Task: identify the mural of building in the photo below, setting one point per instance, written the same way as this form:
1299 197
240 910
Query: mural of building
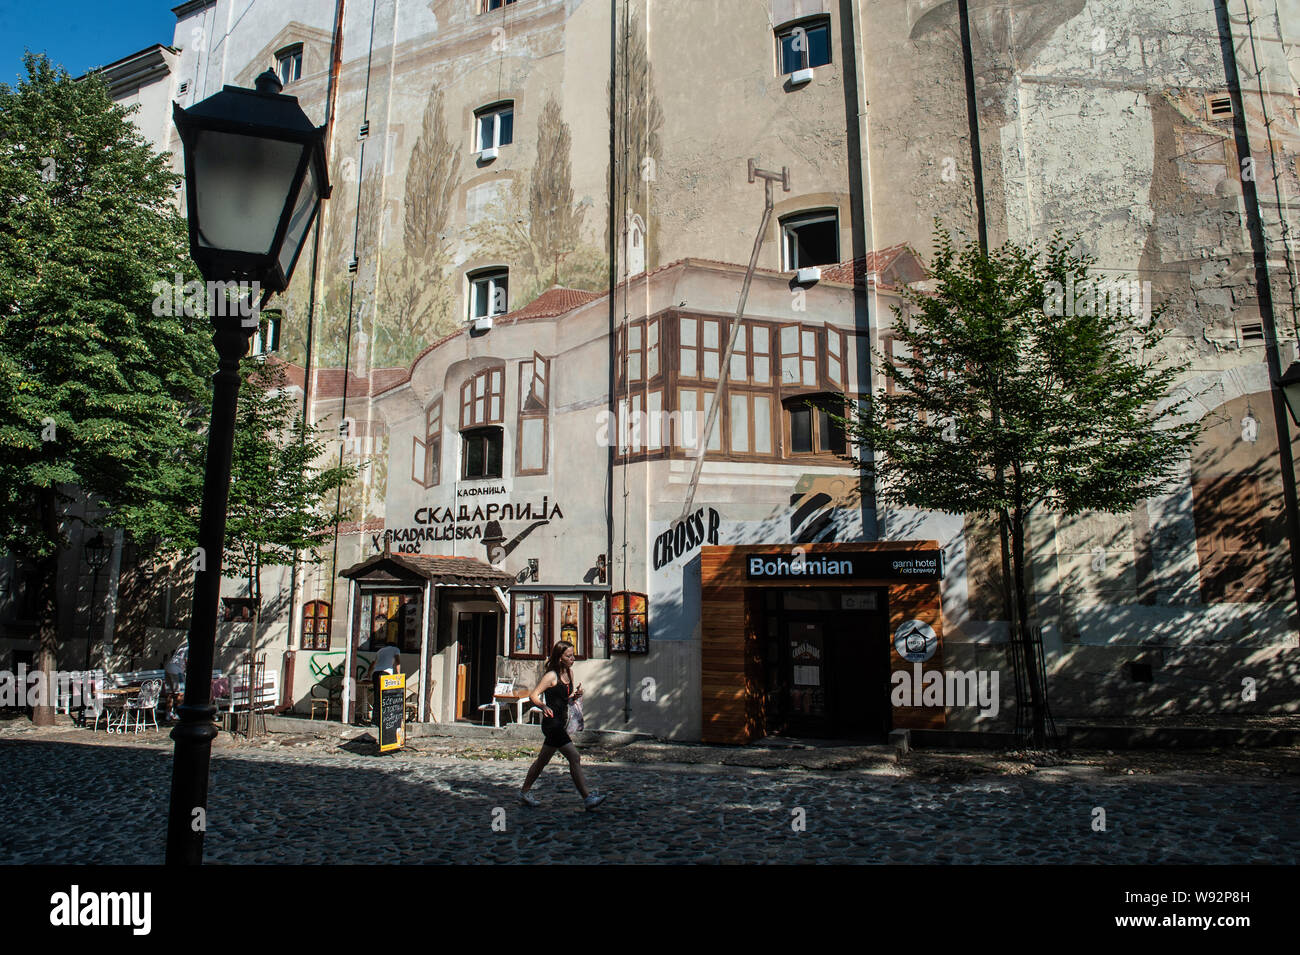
521 291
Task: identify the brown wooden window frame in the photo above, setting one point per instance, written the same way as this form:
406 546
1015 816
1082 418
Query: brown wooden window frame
318 636
821 443
489 435
493 395
515 599
749 396
550 628
430 474
534 405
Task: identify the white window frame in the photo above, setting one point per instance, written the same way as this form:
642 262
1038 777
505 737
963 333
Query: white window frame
488 282
798 220
292 55
493 113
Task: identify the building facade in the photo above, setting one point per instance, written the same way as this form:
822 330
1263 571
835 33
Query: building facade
520 294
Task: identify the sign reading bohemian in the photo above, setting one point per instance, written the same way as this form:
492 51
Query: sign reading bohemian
842 565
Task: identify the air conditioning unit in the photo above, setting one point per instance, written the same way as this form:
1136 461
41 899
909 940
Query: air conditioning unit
807 276
489 154
800 77
483 324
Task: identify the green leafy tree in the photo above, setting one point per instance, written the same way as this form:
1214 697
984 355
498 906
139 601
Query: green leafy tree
278 497
1025 385
97 390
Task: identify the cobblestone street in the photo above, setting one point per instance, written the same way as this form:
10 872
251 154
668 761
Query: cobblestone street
69 802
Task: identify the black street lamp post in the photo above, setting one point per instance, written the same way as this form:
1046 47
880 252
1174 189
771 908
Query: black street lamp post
254 178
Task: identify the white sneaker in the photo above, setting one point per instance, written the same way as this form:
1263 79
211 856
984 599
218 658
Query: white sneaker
594 800
528 799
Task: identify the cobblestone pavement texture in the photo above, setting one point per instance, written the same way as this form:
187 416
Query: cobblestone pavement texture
70 796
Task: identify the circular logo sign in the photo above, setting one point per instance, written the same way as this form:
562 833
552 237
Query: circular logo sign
915 641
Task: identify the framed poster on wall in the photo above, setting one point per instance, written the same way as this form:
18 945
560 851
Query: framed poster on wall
629 629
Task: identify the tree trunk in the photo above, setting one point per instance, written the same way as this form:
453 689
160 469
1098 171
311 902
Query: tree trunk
48 635
1032 654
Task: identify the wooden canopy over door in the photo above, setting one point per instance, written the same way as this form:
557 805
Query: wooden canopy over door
731 674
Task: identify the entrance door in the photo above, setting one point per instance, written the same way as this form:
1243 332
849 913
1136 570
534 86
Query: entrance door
476 652
826 657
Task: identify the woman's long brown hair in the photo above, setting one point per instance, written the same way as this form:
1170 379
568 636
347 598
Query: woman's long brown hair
553 661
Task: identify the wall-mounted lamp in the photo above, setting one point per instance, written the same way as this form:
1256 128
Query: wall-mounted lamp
601 576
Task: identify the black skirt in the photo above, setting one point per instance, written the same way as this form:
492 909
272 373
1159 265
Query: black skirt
554 733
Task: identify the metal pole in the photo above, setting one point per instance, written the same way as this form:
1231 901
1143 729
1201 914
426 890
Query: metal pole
724 371
186 819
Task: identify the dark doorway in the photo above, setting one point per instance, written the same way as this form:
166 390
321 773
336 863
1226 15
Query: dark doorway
476 640
826 663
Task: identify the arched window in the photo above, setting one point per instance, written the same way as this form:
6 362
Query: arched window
316 625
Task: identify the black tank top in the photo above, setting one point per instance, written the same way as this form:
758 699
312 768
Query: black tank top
557 699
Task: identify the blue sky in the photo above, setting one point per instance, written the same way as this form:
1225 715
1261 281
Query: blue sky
80 34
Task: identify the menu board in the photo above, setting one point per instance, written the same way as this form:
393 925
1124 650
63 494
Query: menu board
392 711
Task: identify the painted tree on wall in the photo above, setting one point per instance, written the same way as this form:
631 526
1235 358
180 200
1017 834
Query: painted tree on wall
545 246
638 118
1008 401
416 303
554 222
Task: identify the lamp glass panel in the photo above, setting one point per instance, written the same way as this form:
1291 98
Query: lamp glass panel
298 222
241 187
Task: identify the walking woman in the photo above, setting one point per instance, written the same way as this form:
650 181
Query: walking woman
552 695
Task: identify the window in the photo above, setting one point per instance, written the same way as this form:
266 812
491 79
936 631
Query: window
804 45
810 428
316 625
494 126
426 459
835 357
798 356
810 238
750 423
543 620
288 64
488 293
628 628
638 351
267 337
701 348
693 405
528 635
481 453
481 398
494 5
534 391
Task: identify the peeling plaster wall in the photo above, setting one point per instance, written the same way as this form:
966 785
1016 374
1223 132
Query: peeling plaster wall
1095 118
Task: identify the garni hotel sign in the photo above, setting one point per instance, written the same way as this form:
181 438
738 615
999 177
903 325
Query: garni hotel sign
842 565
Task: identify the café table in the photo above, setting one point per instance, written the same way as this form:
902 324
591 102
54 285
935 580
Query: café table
518 697
118 696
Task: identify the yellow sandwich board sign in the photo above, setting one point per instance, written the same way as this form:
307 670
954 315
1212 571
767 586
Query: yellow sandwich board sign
392 711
